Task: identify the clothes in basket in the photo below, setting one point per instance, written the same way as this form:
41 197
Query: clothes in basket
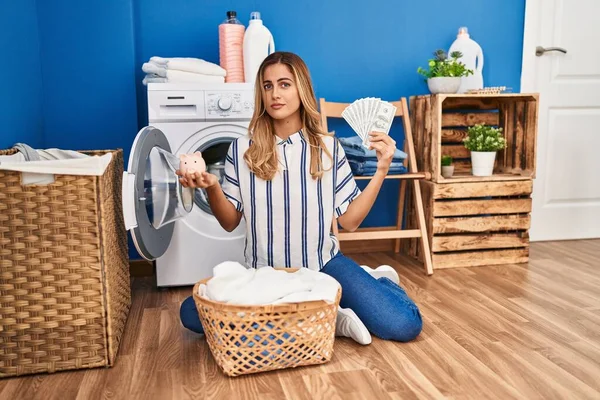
233 283
271 341
38 167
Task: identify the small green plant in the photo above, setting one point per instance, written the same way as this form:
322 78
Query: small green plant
484 138
446 161
442 66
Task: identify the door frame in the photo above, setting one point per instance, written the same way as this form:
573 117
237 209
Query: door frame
531 34
529 81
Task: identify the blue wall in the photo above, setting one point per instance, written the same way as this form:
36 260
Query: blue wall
88 71
20 69
92 52
353 50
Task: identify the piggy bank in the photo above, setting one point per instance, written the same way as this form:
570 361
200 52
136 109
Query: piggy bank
192 162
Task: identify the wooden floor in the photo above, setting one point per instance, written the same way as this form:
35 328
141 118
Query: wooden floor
507 332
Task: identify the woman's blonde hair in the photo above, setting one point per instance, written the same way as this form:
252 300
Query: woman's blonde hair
261 156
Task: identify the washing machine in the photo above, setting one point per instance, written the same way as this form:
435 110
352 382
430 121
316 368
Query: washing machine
172 225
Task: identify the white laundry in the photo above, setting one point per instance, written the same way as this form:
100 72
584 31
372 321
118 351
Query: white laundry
95 165
153 69
183 76
173 76
46 163
153 78
182 69
28 153
189 64
234 284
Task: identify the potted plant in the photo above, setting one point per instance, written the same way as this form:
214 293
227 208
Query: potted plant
484 141
447 167
444 74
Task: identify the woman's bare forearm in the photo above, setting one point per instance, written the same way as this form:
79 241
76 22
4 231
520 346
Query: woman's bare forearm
359 209
225 212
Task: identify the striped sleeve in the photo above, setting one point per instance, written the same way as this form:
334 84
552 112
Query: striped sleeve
231 181
346 190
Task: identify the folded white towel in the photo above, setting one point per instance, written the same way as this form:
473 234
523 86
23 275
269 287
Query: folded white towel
154 69
152 78
188 64
182 76
160 61
234 284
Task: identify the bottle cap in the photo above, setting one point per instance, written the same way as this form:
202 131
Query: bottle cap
231 14
463 31
254 15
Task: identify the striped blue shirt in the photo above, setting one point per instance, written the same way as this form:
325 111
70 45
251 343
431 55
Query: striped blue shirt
288 219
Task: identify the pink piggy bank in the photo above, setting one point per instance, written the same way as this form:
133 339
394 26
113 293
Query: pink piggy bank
192 162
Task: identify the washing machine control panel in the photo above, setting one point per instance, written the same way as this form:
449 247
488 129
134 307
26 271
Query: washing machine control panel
229 104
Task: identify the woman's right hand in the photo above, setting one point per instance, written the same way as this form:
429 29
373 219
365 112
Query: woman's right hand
198 180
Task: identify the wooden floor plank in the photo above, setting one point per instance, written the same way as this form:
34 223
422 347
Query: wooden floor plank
505 331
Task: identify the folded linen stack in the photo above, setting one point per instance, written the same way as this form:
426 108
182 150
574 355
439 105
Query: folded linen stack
364 161
180 69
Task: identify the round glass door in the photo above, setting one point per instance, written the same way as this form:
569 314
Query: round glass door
153 198
166 199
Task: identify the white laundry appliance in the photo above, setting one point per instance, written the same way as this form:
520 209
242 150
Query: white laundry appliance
170 224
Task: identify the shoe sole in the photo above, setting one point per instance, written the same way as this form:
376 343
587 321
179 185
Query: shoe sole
364 332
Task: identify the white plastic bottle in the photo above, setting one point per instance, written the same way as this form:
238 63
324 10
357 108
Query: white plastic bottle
258 44
472 57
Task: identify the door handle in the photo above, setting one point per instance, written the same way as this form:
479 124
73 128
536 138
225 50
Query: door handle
539 50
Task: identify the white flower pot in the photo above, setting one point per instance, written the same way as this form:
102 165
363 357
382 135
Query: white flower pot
443 84
482 162
447 171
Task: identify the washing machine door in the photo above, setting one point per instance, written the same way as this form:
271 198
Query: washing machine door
153 198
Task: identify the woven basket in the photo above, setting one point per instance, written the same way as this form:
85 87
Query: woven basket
64 275
250 339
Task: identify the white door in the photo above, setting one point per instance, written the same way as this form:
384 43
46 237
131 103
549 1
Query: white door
566 194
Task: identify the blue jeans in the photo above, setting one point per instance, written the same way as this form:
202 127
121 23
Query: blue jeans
384 307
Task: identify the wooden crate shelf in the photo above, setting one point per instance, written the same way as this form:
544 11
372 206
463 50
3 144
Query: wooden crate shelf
474 223
440 124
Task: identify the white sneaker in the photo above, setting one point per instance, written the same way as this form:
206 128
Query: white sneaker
349 325
383 271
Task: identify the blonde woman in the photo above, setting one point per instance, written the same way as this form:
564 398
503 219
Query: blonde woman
288 179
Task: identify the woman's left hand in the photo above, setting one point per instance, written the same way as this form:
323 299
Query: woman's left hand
385 147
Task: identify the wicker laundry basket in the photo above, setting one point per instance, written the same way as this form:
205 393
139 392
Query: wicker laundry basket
64 273
250 339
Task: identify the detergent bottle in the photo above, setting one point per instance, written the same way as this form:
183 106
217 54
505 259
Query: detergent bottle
472 57
231 38
258 44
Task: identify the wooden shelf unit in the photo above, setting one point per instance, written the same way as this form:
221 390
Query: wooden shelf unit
440 124
474 221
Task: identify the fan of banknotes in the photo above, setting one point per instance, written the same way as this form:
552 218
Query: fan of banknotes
368 115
